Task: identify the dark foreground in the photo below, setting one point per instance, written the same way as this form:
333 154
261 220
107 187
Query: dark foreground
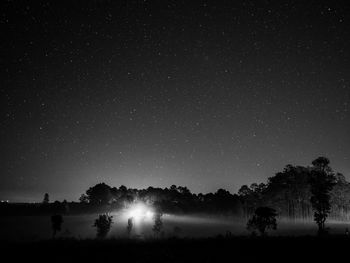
235 249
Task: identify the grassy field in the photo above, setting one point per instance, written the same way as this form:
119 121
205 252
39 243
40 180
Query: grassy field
32 228
201 239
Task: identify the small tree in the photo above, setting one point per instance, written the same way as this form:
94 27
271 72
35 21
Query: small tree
103 224
322 181
158 223
46 199
56 224
264 218
130 225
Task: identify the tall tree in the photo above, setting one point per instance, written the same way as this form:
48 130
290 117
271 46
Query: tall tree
251 197
289 192
340 198
322 181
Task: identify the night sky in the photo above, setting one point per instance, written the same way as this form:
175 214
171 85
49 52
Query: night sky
206 94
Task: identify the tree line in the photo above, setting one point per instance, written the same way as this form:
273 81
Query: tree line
292 191
289 192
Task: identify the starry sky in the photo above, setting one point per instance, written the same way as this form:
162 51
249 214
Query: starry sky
205 94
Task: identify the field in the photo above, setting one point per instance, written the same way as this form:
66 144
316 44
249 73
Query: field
200 239
32 228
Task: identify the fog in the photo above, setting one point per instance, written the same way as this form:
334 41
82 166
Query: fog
28 228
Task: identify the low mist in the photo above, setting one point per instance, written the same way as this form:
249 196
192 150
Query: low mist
28 228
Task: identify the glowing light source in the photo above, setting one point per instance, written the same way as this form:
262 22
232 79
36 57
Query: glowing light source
139 212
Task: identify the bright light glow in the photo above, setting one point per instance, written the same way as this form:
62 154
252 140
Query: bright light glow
140 212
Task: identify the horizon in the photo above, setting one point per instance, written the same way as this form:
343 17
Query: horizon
40 198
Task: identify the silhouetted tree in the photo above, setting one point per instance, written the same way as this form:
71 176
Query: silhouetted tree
289 192
56 224
224 201
263 218
46 199
322 164
251 197
322 181
158 223
130 225
99 194
103 224
340 198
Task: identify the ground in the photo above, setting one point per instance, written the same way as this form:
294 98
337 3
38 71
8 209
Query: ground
219 249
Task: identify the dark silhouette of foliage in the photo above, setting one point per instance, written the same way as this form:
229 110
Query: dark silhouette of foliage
103 224
158 223
46 199
130 225
288 192
99 194
322 164
251 197
322 181
56 224
340 198
84 199
264 218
